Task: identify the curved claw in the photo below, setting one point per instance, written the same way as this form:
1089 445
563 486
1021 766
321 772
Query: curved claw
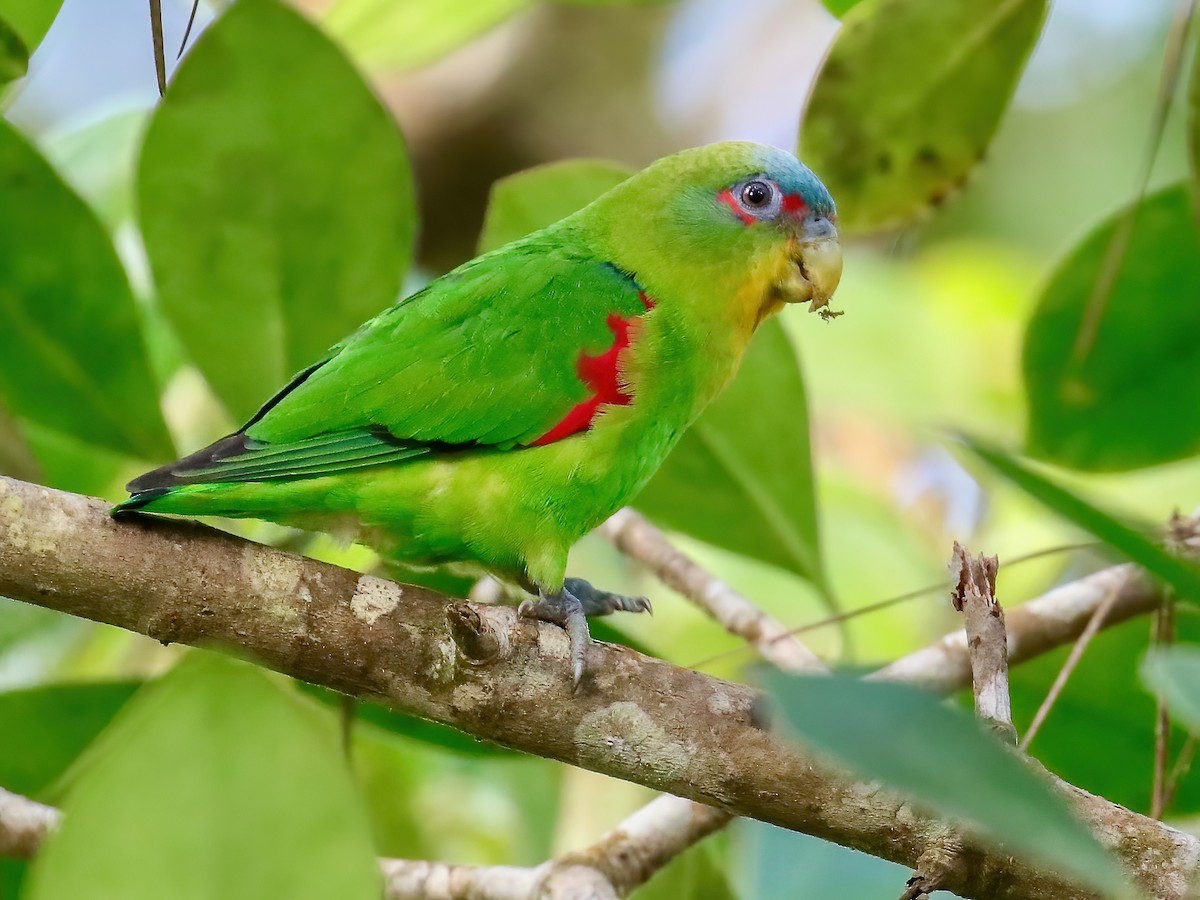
569 609
622 603
600 603
565 610
581 639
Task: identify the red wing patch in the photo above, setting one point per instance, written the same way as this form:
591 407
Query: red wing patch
601 374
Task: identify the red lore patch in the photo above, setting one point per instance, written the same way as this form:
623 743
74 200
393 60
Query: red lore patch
600 374
726 197
794 205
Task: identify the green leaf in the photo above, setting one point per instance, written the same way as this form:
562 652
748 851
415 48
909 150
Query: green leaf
1181 576
1193 134
30 19
1174 673
405 34
56 722
14 58
98 160
1128 399
72 465
12 876
71 352
895 126
530 200
941 757
840 7
770 862
212 783
1102 705
16 459
696 874
407 726
23 625
275 199
741 478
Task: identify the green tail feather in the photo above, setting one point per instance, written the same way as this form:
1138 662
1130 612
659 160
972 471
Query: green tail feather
236 500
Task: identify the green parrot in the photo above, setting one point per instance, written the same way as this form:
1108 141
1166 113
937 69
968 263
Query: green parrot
498 415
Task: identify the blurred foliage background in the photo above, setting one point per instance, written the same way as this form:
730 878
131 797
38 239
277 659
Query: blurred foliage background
963 295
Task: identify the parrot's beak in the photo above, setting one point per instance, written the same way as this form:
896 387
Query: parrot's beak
820 267
814 265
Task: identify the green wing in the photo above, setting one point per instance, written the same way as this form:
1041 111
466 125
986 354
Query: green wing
484 356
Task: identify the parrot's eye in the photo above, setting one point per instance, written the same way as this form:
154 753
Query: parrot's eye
756 194
756 200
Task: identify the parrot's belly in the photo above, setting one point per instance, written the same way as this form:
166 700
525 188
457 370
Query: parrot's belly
516 513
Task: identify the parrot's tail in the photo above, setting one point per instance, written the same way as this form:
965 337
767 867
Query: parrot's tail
139 501
258 500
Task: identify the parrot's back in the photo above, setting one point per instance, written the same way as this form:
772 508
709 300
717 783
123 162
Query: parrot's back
499 399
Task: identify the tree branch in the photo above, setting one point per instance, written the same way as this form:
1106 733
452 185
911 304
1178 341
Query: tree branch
1057 617
973 593
505 679
633 535
410 879
622 860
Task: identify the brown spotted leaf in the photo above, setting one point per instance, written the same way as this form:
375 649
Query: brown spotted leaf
908 100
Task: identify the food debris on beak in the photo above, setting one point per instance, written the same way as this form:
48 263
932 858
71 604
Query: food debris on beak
820 265
811 275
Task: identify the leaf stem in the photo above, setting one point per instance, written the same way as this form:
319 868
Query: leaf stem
1118 245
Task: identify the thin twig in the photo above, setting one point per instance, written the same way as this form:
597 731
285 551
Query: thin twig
878 605
16 459
1057 617
633 535
1118 245
156 36
347 709
1164 633
1094 624
1183 763
187 32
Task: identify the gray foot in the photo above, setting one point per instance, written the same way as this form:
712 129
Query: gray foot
569 610
600 603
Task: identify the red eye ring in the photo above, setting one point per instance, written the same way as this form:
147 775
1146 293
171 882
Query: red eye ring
754 200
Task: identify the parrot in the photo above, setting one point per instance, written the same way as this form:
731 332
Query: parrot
492 419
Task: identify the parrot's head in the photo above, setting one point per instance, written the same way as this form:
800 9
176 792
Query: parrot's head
785 214
749 210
